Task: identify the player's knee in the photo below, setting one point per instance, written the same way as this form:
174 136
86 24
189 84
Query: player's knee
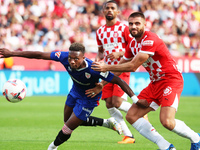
130 118
116 104
167 123
109 105
66 130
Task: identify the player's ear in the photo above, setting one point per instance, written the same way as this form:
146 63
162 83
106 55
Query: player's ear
103 11
144 22
118 11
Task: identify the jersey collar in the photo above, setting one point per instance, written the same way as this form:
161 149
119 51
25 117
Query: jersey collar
86 66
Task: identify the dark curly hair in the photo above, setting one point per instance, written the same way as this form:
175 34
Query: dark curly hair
77 47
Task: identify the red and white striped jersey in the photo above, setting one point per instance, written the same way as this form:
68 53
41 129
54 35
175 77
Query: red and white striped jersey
160 64
113 39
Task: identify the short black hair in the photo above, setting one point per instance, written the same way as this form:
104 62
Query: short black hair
137 14
111 1
77 47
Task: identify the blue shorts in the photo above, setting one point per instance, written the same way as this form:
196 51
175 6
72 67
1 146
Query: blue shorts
82 112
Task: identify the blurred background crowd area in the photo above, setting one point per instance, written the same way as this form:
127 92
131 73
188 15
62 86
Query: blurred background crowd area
47 25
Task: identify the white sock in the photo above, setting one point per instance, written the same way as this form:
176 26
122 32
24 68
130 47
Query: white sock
114 112
149 132
183 130
125 106
52 146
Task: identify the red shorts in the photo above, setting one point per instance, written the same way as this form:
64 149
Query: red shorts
111 89
163 93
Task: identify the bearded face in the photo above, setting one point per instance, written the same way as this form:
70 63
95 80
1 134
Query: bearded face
110 11
136 32
136 26
110 17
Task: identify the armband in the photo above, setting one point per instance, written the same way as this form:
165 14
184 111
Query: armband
134 98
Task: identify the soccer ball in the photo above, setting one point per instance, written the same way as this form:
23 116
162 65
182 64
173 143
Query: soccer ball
14 90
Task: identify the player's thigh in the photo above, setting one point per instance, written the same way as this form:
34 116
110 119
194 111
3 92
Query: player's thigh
67 112
73 122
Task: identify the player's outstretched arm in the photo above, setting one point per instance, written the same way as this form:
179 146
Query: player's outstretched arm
130 66
4 53
124 86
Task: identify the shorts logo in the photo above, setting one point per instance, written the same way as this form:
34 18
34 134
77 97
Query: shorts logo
167 91
87 110
148 43
87 75
57 54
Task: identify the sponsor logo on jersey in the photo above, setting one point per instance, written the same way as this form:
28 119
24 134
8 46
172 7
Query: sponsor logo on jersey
167 91
148 43
57 54
109 46
87 75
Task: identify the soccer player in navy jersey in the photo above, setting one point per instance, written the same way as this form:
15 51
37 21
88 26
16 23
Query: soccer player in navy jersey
78 105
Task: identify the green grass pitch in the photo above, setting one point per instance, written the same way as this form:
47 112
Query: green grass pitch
34 123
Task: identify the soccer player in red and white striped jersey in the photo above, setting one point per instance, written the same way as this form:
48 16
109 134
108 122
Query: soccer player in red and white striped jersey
112 39
164 90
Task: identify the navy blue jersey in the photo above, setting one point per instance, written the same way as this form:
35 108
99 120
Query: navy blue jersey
83 79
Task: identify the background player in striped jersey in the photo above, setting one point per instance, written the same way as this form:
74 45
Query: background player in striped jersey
164 90
78 105
112 39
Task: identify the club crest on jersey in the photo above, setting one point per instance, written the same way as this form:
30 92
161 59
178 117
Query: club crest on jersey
148 43
115 35
167 91
57 54
87 75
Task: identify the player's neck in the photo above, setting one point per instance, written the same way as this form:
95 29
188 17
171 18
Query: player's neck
111 22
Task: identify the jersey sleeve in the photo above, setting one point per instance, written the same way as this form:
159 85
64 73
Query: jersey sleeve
149 46
58 55
107 76
99 43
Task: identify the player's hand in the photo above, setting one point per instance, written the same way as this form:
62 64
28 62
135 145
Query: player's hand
94 91
4 53
113 55
142 103
99 66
